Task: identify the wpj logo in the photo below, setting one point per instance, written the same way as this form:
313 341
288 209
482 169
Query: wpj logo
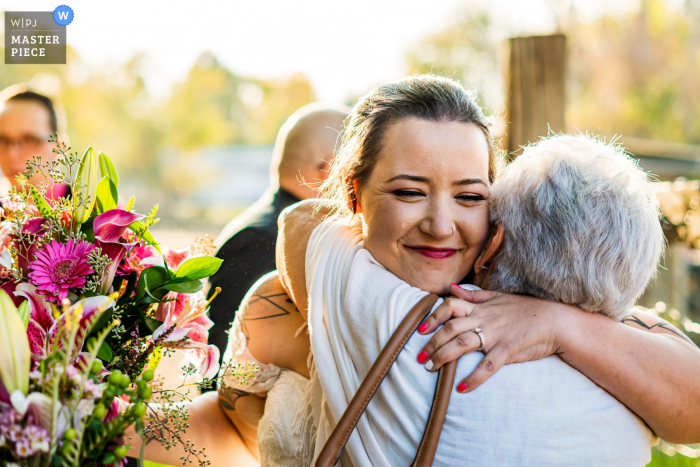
36 37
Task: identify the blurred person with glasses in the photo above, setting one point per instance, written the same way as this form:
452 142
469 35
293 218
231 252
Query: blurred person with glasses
27 120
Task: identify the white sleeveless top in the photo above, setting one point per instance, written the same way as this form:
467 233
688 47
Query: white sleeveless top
281 437
542 413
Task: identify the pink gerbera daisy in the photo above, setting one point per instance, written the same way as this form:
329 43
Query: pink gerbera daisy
59 266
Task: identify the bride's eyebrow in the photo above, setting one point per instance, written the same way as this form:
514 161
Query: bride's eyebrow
410 178
469 181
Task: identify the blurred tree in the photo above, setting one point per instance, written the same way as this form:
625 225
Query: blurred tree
111 110
466 50
633 74
637 75
215 106
101 107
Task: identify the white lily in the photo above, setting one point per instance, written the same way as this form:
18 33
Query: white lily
14 347
6 258
86 182
38 404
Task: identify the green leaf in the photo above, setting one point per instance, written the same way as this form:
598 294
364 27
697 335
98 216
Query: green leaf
198 268
139 228
184 287
152 323
107 169
155 277
105 353
24 313
130 285
86 186
87 229
107 197
41 204
101 322
134 314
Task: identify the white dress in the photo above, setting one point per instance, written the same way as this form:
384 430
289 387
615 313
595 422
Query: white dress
281 431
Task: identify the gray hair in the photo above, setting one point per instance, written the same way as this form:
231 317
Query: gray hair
581 225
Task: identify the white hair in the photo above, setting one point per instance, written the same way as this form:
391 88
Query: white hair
581 225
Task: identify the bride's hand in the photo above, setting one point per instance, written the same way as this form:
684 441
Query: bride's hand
515 329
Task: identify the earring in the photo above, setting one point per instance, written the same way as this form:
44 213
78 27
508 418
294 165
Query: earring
484 267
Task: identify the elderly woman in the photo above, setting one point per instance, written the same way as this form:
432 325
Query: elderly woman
417 164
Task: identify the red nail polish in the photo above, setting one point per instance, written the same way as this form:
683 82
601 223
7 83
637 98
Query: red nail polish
462 387
423 327
422 356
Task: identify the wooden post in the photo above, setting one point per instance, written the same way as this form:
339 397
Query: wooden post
536 99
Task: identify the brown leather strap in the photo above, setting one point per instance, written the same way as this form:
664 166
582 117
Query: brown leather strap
438 412
336 442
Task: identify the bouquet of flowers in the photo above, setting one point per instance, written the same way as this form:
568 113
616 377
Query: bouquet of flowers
89 302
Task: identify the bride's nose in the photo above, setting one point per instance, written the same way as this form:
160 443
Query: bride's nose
438 222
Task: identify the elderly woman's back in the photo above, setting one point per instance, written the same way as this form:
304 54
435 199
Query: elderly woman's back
535 413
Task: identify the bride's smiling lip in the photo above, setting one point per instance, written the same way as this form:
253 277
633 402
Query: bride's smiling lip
432 252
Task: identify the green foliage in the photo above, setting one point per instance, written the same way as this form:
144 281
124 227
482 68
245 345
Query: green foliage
107 168
659 459
185 287
198 268
41 204
107 196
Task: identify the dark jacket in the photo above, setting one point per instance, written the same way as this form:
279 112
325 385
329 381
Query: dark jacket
247 247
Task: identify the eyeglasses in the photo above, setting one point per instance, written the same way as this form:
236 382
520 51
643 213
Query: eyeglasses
24 142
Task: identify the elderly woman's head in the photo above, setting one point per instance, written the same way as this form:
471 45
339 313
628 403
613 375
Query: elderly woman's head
580 226
416 162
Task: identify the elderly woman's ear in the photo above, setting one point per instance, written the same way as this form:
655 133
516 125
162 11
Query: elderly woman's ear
492 245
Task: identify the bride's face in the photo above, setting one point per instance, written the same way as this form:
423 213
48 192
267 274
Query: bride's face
425 205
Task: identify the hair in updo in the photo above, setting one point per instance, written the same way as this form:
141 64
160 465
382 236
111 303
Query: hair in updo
426 97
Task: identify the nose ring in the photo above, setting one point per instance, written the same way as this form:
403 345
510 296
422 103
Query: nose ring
453 230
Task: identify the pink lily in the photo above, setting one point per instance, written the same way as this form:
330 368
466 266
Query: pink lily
187 312
175 258
141 257
109 228
43 327
204 357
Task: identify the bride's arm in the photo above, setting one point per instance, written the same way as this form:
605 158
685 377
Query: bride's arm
296 224
646 363
208 427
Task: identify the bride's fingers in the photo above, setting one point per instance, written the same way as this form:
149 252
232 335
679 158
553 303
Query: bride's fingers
473 296
451 330
492 362
449 309
462 344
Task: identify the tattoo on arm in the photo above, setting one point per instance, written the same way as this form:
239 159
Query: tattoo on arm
632 319
229 396
281 305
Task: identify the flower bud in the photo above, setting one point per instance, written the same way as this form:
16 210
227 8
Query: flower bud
86 189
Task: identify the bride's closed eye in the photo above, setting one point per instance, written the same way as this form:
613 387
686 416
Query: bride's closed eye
471 197
408 193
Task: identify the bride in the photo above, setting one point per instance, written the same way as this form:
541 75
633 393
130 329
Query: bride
430 237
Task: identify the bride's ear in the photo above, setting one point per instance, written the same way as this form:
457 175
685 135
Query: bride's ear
354 198
492 246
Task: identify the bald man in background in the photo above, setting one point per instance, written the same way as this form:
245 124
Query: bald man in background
304 148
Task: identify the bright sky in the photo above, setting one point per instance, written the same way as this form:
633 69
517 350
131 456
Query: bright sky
345 48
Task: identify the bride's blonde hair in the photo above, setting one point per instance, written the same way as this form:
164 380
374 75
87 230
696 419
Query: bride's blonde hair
426 97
